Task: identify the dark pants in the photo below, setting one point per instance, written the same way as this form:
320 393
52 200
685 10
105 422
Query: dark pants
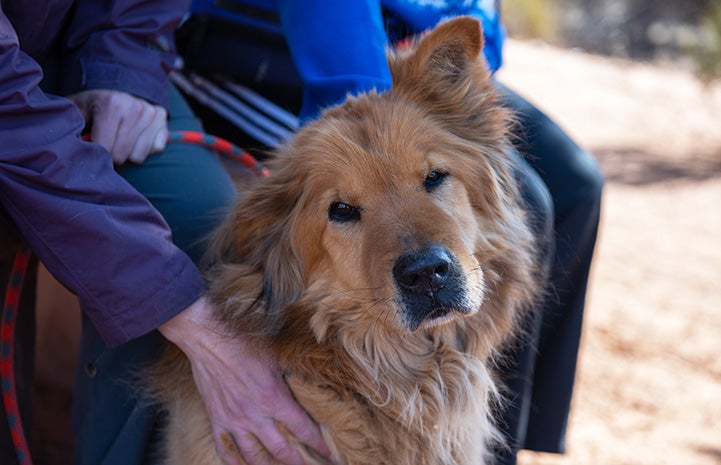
191 189
542 371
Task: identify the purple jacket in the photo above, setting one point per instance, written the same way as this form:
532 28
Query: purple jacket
93 231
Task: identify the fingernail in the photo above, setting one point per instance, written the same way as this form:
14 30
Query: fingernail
160 140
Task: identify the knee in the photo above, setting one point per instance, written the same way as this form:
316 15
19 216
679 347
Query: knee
589 173
584 184
206 199
197 211
540 208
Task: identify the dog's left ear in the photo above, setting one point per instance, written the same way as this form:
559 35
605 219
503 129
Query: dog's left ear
445 72
444 55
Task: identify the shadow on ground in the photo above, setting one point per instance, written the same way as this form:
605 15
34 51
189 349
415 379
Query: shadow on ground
640 168
714 453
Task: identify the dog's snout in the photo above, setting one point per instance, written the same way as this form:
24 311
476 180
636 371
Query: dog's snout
423 272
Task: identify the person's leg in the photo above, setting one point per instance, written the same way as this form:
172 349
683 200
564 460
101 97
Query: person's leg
186 183
516 366
575 182
191 189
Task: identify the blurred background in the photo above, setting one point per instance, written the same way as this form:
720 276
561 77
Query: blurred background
685 32
638 84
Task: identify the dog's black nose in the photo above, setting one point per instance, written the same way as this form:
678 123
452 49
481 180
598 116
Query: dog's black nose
424 272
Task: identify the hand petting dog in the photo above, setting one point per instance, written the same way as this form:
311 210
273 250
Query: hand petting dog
251 409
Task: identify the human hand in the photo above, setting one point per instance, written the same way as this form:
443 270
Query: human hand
251 408
130 128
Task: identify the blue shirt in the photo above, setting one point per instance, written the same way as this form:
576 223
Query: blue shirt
339 46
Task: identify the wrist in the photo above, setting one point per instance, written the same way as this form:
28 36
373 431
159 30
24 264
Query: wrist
188 326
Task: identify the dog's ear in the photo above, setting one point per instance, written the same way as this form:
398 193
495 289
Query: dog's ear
443 55
263 232
445 72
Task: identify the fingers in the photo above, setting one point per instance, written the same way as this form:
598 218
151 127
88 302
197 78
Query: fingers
256 409
252 426
231 454
255 418
145 136
272 449
250 449
299 427
130 128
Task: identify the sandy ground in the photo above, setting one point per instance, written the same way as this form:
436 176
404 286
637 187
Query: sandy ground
649 382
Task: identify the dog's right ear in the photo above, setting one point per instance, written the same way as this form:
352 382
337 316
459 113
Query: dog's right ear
260 233
253 269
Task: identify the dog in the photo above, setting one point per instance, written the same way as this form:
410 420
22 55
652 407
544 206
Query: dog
381 265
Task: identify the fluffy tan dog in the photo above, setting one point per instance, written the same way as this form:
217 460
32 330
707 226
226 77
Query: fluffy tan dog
380 266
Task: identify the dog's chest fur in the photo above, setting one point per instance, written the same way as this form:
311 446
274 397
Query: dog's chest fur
385 400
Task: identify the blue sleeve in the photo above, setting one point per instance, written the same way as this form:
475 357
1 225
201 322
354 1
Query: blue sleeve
420 15
494 35
338 47
95 233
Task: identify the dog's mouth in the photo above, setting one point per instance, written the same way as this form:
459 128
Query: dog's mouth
431 287
429 313
436 317
438 313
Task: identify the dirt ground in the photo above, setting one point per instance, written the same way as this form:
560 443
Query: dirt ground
649 382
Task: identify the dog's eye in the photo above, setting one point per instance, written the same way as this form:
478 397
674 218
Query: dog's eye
433 179
342 212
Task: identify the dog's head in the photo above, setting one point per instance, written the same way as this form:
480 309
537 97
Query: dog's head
397 209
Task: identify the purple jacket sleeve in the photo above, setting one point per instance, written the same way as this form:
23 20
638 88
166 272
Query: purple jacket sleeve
92 230
127 46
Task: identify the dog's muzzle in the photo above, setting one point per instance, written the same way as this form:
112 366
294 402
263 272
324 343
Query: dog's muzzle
431 285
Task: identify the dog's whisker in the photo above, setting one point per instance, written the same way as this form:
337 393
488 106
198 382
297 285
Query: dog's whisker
390 306
351 293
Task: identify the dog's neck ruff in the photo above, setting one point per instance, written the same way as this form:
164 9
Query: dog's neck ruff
425 384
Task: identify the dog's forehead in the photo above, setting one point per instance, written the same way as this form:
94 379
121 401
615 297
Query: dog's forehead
376 139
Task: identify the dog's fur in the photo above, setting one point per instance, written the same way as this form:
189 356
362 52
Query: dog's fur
380 265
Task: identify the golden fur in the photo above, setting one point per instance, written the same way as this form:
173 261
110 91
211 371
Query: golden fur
313 263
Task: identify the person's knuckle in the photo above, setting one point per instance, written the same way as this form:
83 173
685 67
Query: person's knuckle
254 453
114 101
282 450
269 398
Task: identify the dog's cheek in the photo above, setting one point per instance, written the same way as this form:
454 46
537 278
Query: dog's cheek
462 212
462 226
342 248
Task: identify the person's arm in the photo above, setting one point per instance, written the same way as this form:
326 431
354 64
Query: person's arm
124 45
338 47
92 230
105 242
114 67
